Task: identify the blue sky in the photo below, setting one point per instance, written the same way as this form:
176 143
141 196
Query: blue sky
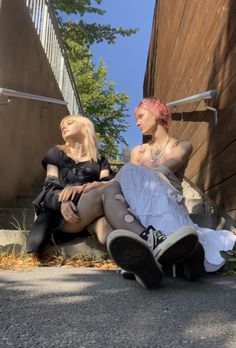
126 59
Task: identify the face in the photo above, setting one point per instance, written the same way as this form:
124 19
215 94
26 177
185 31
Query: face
146 121
70 128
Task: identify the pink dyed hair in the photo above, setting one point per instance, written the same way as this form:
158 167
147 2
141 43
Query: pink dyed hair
154 105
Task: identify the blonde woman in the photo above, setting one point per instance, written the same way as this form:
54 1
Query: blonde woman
76 196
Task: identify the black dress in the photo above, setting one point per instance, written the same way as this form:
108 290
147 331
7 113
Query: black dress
72 173
47 206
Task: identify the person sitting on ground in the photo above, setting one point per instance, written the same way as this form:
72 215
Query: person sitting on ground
151 185
76 195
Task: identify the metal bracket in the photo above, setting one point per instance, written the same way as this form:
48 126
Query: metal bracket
215 113
4 100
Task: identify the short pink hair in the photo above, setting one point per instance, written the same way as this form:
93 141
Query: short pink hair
154 105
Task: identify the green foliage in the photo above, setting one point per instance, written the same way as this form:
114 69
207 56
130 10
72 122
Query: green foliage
230 260
90 33
77 6
81 31
125 154
105 107
101 103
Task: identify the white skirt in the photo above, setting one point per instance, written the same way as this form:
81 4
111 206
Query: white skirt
154 201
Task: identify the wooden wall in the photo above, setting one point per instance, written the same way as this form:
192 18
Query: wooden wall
193 49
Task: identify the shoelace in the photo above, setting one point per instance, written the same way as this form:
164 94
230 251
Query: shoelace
152 236
158 237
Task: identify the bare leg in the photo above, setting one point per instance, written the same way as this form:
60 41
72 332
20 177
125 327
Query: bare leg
101 228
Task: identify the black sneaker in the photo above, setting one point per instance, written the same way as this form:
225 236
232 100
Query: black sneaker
172 249
193 266
127 275
133 254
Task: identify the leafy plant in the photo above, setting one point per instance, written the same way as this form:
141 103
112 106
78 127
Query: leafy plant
101 103
230 260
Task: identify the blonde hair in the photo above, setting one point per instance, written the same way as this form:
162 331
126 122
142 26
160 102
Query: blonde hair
89 144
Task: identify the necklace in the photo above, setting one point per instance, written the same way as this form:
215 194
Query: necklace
157 153
77 155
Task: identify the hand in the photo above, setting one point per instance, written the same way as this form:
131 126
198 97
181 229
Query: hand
91 185
69 192
69 212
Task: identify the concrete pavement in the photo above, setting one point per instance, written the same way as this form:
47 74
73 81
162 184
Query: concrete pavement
87 307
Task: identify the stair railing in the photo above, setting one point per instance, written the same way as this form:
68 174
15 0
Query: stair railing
46 25
8 93
197 98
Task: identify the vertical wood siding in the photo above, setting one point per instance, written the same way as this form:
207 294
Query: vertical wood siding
193 49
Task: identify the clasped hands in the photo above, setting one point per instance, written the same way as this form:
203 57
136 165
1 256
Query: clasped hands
68 209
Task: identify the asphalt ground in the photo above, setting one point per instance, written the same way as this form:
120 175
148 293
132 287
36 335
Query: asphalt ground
88 307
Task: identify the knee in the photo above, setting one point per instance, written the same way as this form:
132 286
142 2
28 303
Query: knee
112 188
128 167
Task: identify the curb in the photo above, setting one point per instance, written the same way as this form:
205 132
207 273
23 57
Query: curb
85 247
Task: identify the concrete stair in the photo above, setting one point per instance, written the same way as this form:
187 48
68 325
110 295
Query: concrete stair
15 224
204 211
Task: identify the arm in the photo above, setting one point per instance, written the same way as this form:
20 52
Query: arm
180 156
104 173
91 185
135 155
52 170
68 209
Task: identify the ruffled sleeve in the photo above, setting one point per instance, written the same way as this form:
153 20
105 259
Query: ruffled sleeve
52 157
104 164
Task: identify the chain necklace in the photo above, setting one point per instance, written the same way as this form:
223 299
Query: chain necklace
77 155
156 154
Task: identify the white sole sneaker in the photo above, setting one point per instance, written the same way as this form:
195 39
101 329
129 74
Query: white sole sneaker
134 255
176 247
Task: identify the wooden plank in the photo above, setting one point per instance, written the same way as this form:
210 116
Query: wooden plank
232 214
228 94
227 97
163 11
199 160
148 86
217 138
171 12
214 171
216 55
172 41
191 122
183 50
224 194
197 43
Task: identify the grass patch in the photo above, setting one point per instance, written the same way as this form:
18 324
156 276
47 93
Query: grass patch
14 260
11 260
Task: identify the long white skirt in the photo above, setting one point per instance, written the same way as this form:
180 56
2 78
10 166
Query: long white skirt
154 201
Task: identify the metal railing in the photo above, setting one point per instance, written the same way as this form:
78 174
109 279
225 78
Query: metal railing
46 25
12 93
194 98
197 98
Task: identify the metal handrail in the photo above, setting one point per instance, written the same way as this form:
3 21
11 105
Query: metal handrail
194 98
17 94
48 30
